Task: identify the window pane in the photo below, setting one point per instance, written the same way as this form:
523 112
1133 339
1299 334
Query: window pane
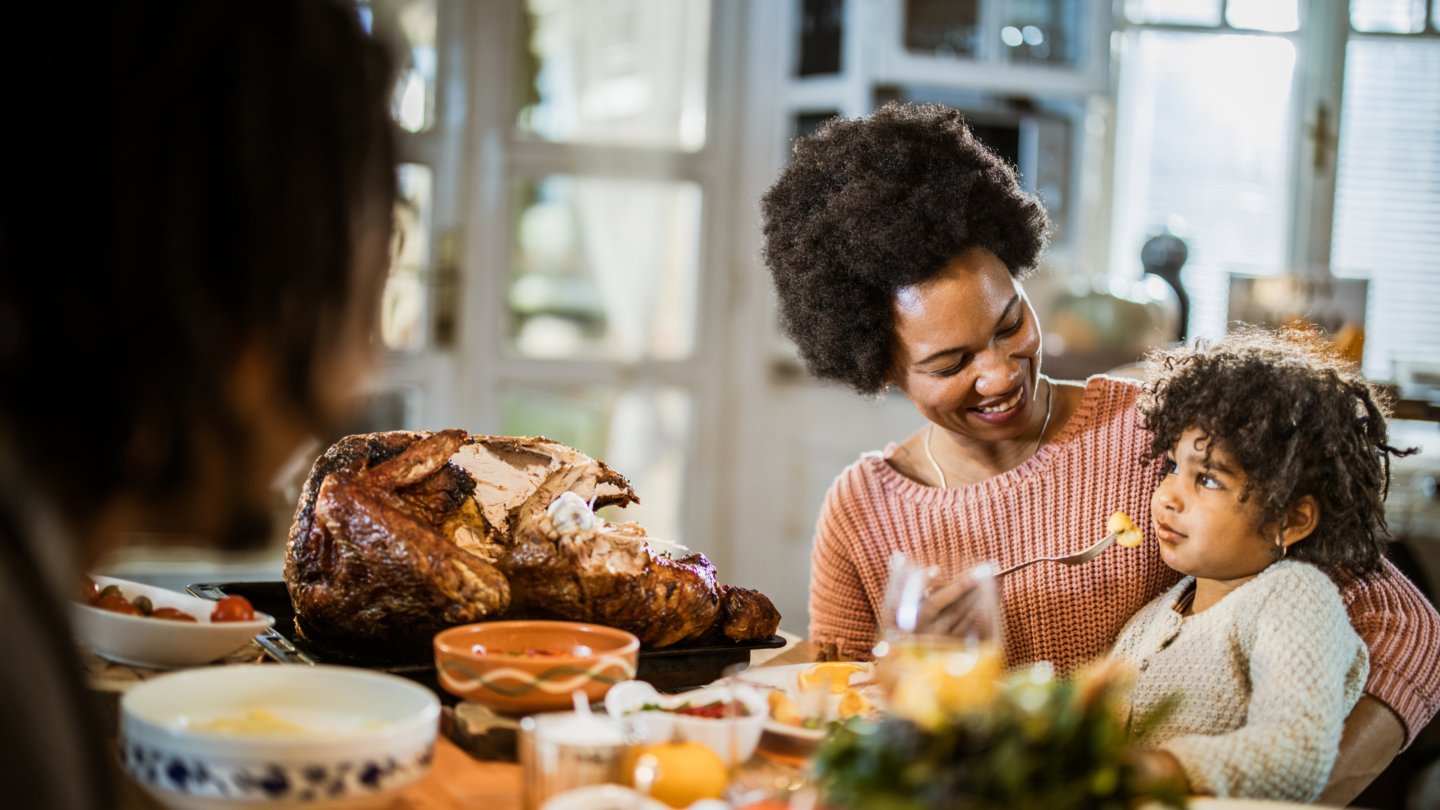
1387 196
410 25
1174 12
1204 150
642 431
822 30
604 268
402 307
1264 15
1388 16
619 72
943 28
1043 31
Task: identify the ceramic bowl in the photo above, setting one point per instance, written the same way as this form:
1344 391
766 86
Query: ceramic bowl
628 699
361 736
523 667
159 643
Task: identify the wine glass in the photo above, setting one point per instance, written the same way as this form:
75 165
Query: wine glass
942 641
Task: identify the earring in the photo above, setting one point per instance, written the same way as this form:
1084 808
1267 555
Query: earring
1278 552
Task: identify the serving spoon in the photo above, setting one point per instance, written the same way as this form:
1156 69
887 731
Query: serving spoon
1069 559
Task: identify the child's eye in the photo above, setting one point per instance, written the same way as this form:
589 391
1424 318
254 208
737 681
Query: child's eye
1208 481
1170 467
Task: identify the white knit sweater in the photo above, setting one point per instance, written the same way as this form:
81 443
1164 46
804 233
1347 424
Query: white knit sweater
1265 679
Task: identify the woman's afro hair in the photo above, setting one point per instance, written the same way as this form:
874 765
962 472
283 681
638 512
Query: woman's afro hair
1299 420
872 205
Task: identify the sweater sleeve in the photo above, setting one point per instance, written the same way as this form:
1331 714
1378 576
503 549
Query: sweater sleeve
840 611
1402 630
1306 667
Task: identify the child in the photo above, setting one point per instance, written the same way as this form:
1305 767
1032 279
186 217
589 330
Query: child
1276 467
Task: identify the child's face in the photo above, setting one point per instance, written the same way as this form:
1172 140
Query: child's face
1205 530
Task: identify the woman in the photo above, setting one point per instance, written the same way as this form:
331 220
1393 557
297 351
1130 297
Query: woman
194 233
897 245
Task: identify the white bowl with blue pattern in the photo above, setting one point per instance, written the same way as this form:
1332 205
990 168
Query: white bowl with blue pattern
313 737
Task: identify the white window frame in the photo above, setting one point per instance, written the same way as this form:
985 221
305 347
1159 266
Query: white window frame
477 155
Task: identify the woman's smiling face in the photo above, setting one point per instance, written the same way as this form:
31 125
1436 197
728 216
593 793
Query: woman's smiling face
967 349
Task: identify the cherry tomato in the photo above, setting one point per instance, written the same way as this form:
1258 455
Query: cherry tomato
172 614
233 609
89 591
115 603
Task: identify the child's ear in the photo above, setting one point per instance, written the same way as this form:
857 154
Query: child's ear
1300 520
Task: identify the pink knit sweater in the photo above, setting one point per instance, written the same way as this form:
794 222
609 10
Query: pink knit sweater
1057 503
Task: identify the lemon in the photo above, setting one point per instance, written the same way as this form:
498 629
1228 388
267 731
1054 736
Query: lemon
835 674
1121 524
684 772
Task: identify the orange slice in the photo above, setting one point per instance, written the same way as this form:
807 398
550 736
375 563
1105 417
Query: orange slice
834 674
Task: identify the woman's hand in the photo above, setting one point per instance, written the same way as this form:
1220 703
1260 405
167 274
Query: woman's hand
956 608
1157 769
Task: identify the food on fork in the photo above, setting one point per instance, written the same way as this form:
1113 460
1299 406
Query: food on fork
1121 524
398 535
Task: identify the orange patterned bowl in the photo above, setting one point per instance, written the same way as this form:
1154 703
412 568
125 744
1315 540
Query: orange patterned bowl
523 667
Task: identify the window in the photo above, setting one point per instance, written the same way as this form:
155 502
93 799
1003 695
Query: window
1205 143
1387 197
621 72
593 326
1229 139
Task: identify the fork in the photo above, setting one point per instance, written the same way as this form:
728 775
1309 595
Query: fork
1069 559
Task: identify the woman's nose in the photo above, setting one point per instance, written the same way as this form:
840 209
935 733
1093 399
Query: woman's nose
999 373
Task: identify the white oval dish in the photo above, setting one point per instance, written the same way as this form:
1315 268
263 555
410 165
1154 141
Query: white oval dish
603 797
625 699
372 735
143 641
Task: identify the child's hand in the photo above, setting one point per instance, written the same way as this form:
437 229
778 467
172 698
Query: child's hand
1156 770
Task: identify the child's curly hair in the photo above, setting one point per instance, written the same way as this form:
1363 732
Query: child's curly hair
1298 419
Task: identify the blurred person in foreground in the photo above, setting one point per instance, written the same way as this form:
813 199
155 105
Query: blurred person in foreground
195 229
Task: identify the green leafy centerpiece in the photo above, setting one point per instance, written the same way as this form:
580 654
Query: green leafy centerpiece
1026 743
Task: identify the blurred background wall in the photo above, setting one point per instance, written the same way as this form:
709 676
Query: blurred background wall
578 251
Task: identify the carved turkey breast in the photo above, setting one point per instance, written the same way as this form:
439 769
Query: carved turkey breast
398 535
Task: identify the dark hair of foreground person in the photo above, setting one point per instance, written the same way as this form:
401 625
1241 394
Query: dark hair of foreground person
871 205
193 234
194 176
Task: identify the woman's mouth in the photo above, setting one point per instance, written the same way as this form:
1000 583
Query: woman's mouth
1167 534
1004 410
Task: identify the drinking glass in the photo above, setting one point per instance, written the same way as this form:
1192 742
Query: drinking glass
564 751
942 645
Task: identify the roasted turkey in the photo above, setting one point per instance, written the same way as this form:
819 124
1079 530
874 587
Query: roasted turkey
400 534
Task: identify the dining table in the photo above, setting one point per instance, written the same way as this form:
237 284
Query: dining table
459 781
456 781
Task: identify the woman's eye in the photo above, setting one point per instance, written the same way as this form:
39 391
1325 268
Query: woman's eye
951 371
1019 322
